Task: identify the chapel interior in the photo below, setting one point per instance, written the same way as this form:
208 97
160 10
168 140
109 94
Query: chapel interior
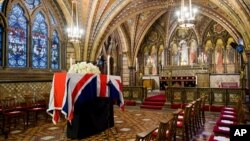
146 43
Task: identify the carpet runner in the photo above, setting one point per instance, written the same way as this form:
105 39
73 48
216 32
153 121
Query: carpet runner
154 102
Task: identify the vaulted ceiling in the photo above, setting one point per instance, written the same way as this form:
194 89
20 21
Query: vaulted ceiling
131 19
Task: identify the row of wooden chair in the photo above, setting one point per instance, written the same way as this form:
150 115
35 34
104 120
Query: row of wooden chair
185 122
11 112
229 116
191 119
164 132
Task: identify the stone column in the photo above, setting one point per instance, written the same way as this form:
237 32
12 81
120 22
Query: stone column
132 76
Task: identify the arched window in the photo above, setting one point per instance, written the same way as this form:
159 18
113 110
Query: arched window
1 5
32 3
39 42
55 51
1 42
17 37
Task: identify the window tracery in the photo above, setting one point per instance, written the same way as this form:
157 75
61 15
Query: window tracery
27 36
39 42
17 37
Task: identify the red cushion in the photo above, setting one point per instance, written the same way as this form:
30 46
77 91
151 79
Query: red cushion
181 113
154 134
179 124
220 138
228 117
228 109
224 122
180 117
221 130
227 112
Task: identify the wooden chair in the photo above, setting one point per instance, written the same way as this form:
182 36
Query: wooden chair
46 104
10 113
33 109
145 136
166 131
202 111
183 125
195 115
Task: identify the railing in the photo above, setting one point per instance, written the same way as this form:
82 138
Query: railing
216 96
136 93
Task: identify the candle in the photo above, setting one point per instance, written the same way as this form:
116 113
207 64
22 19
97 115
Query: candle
136 64
196 80
70 61
202 55
108 66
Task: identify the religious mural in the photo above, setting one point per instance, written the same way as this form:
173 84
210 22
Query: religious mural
219 60
183 48
152 53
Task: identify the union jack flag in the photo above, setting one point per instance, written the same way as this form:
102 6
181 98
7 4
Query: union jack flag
83 88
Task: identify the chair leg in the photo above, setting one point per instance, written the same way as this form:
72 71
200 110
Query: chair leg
24 126
36 114
27 119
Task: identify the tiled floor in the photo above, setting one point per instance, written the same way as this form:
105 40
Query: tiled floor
127 125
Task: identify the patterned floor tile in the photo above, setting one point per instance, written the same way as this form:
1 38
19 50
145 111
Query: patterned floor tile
127 125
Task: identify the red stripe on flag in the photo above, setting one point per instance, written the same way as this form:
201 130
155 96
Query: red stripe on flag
56 115
79 85
103 86
59 88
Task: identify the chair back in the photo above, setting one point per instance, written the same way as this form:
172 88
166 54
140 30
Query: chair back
8 104
186 116
203 102
162 129
30 101
239 104
46 97
197 106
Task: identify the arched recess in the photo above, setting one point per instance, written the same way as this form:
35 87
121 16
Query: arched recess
70 55
223 22
183 48
3 25
146 30
123 40
104 26
149 52
118 20
237 19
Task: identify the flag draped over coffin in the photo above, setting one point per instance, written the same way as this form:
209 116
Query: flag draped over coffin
81 88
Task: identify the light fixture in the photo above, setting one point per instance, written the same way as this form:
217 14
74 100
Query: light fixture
186 15
74 31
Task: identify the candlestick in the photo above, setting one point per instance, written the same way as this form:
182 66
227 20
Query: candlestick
70 61
196 80
136 64
202 55
108 66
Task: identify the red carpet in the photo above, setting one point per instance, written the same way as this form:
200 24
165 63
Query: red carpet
154 102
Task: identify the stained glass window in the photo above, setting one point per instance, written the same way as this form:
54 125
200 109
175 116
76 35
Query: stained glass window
55 51
32 3
1 42
39 42
17 37
1 5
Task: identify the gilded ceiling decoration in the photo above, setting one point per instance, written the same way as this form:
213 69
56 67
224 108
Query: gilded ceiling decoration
102 17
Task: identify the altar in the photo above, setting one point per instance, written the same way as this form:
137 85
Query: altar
86 100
